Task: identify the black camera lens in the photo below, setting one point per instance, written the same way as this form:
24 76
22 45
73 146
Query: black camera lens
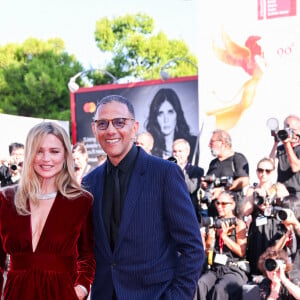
270 264
282 134
282 215
207 221
14 167
230 221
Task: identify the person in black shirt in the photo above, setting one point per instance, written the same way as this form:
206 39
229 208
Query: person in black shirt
224 277
10 173
232 166
288 154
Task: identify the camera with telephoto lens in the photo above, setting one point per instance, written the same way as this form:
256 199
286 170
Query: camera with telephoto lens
225 181
271 264
213 181
280 213
217 222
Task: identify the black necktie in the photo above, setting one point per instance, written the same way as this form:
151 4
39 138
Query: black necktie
116 208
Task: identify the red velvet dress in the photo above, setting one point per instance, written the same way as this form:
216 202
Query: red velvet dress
64 254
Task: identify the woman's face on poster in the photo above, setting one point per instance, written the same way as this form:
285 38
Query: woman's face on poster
166 118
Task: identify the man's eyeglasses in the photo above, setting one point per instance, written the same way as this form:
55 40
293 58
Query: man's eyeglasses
118 123
261 170
223 204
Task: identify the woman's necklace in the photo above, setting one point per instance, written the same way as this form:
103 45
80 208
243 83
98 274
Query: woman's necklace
47 196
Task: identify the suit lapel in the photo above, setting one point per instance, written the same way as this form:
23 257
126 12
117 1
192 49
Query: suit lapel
98 205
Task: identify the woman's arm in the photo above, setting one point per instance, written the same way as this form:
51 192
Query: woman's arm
247 204
280 243
292 288
85 261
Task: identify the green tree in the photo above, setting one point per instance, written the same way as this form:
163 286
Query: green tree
34 75
136 51
33 79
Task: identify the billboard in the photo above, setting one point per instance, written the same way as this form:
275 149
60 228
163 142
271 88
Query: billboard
248 72
141 95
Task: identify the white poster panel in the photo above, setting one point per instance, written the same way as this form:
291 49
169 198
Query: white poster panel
15 128
249 62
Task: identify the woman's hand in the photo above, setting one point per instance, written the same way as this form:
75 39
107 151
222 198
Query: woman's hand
81 294
291 220
226 228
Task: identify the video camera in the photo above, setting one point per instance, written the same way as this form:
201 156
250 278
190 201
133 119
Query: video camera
213 181
217 222
282 134
280 213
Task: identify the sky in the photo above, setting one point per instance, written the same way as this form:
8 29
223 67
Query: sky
74 21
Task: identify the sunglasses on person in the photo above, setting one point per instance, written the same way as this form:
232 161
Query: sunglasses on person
223 204
118 123
261 170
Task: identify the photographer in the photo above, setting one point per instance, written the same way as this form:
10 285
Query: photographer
264 229
225 241
286 149
10 170
290 241
275 266
227 163
192 174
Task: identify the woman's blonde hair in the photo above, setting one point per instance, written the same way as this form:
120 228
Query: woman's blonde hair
29 186
267 159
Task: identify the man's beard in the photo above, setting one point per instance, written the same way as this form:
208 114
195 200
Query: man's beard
214 153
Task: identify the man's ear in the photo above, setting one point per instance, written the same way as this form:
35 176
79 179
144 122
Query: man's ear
135 129
93 125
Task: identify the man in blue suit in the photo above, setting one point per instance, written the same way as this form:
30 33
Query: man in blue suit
147 238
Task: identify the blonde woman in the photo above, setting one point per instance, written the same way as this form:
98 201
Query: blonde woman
46 223
263 230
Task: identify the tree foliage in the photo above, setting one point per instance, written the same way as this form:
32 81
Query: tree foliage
34 77
34 74
137 51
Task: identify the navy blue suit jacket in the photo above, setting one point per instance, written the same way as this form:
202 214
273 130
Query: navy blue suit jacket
158 253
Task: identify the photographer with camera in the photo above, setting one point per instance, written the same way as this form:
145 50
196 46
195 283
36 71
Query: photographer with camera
290 241
275 266
225 242
228 164
10 170
286 149
264 229
192 173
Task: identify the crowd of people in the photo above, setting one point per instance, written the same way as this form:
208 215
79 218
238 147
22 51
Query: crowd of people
146 223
